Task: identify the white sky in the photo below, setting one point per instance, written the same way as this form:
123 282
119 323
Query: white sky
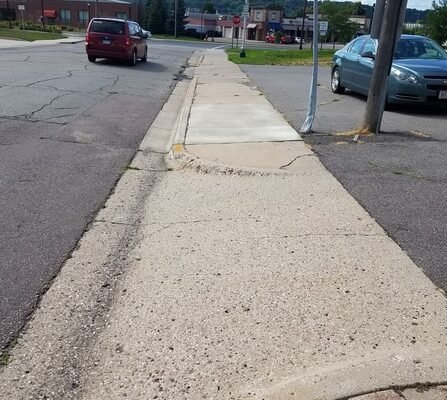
419 4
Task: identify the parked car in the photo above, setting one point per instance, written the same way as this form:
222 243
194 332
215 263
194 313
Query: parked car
148 34
283 39
115 38
418 73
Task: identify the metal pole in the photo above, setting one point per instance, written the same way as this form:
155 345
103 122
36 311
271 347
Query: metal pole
244 33
307 126
96 8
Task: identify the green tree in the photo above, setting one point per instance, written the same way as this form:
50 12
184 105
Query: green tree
181 21
436 21
340 28
208 8
155 16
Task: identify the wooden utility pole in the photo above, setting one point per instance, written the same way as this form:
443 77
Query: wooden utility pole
175 17
302 25
377 19
43 14
389 34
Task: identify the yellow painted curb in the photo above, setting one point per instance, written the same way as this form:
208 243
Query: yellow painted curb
178 148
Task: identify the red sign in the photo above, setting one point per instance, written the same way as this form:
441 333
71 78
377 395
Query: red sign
236 20
50 13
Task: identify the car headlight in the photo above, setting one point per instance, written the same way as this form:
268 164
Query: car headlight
404 76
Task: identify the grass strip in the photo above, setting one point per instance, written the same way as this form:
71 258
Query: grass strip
279 57
171 37
29 36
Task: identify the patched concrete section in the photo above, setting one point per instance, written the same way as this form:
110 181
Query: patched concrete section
240 135
273 155
227 110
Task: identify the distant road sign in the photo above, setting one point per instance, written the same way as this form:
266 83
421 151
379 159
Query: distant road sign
21 7
236 20
323 26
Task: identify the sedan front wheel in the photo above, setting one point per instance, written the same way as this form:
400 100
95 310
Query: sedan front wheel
335 81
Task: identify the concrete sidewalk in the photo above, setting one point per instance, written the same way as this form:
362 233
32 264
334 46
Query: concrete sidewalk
242 269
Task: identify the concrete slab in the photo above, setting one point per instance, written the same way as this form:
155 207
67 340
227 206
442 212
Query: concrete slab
232 99
383 395
240 135
252 155
224 90
232 116
426 393
240 303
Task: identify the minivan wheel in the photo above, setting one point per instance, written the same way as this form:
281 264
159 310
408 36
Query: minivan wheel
133 60
144 58
335 81
91 58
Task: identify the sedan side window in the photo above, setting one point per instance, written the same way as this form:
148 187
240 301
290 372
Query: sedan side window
369 46
357 46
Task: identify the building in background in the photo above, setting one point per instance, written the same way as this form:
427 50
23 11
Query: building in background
76 13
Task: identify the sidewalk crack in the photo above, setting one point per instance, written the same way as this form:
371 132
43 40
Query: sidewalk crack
296 158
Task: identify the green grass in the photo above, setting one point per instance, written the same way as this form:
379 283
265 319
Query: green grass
30 36
164 36
279 57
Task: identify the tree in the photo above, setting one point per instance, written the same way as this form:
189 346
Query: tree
181 21
339 26
436 21
208 8
155 16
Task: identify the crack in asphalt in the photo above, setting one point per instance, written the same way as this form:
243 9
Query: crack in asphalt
69 75
49 104
117 78
64 140
27 118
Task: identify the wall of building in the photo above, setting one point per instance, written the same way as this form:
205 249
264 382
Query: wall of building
76 13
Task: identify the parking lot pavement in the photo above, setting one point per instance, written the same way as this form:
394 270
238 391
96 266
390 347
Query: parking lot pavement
398 175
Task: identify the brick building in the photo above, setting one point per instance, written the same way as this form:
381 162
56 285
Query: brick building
75 13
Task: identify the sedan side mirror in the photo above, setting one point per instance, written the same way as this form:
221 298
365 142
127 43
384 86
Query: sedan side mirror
368 54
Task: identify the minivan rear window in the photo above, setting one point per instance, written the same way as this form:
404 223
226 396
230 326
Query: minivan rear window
105 26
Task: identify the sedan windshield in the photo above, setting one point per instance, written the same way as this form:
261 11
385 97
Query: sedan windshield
418 48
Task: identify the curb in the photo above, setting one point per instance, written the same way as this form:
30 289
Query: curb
367 378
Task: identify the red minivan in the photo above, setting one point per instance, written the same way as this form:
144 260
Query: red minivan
115 38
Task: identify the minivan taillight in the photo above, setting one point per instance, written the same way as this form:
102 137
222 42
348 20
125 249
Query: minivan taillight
127 42
87 39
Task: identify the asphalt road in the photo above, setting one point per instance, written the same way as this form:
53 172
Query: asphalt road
68 129
399 176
